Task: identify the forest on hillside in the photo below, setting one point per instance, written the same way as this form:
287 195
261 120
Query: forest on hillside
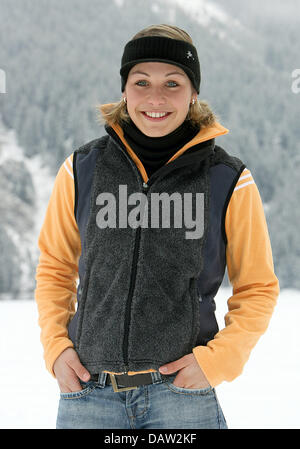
62 59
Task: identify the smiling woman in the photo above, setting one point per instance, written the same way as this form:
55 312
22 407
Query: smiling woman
145 320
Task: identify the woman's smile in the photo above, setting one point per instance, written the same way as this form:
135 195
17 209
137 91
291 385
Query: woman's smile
156 116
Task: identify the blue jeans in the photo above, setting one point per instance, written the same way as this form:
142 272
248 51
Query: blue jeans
160 405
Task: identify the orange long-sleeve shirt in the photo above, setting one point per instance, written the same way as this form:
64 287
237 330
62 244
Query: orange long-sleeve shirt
249 265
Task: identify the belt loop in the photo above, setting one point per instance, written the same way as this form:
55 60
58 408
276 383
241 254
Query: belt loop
156 377
102 379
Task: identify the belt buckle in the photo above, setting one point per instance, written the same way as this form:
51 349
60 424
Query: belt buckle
115 386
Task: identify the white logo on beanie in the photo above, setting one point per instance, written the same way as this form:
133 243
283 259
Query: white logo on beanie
189 55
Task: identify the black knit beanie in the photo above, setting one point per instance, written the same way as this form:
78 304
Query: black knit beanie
161 49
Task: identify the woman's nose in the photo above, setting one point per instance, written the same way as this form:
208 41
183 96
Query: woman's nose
156 97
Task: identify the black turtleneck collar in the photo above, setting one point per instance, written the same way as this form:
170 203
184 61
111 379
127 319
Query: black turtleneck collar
154 152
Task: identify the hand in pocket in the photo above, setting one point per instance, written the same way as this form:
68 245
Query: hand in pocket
190 374
68 370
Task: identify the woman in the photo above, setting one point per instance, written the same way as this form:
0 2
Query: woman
143 349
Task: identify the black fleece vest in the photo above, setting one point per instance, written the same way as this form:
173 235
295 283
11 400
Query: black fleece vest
146 292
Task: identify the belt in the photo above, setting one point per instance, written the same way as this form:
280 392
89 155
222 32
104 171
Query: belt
124 382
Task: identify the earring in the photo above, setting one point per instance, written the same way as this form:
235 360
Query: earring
193 101
124 99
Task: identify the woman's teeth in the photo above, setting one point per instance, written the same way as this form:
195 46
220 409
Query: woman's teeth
156 114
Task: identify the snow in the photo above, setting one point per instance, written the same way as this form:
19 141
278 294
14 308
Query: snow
209 15
266 395
119 3
43 181
202 11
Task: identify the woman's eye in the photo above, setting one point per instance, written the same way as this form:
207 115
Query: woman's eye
173 82
141 83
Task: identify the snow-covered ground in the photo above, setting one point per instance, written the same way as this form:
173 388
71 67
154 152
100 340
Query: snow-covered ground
266 395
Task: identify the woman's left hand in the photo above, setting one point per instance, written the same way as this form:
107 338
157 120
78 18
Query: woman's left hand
190 374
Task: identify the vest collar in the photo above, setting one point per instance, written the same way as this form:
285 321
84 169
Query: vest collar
205 134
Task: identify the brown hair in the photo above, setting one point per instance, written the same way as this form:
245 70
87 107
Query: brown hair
200 113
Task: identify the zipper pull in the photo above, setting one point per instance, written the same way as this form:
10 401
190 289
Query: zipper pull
145 186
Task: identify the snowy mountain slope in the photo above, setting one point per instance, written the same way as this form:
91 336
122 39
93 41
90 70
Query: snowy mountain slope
25 187
203 11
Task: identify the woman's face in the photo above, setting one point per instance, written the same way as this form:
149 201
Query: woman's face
157 88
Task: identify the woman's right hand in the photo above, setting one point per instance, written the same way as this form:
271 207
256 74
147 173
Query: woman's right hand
67 369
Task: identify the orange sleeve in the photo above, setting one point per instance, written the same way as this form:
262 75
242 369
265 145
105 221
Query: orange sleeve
57 269
255 286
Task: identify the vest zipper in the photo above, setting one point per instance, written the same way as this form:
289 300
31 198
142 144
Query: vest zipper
131 289
145 186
